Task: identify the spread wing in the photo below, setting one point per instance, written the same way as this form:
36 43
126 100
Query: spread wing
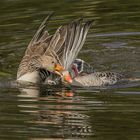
68 41
76 36
41 37
42 44
36 48
64 45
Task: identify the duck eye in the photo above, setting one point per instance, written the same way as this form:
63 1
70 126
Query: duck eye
52 62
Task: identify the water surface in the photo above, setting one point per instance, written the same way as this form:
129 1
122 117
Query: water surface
39 113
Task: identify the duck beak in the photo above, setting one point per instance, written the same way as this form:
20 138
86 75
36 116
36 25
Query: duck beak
66 76
58 68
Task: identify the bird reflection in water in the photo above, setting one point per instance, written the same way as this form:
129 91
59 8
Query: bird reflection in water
55 113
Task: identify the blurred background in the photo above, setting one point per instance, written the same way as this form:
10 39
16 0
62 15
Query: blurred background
113 43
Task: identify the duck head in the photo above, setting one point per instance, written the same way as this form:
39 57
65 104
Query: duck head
65 75
54 66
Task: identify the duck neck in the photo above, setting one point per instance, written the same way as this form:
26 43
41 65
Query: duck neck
73 71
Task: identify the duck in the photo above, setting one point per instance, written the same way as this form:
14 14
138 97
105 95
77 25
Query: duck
52 59
48 57
84 75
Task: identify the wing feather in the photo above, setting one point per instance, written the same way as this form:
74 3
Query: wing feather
74 42
64 45
36 47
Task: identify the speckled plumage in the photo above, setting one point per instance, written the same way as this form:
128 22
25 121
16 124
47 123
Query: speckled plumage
98 79
45 51
84 75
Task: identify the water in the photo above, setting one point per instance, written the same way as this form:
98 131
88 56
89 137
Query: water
39 113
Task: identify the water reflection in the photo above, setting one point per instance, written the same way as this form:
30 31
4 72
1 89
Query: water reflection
112 44
55 113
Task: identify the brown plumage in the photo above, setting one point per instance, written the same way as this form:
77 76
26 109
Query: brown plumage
45 51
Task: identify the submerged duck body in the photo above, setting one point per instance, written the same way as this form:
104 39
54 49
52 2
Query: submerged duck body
98 79
84 75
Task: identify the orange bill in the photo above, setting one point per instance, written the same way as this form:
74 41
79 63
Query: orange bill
63 73
58 67
68 78
69 94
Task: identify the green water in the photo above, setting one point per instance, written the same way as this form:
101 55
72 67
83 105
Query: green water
113 43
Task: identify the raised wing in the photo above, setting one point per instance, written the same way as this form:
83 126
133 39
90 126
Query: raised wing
40 37
36 47
76 36
64 45
68 41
